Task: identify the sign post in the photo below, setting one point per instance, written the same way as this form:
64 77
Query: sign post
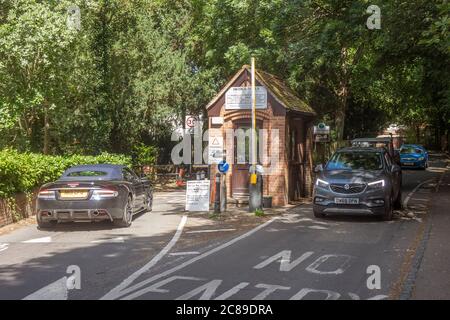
255 187
223 167
253 152
321 135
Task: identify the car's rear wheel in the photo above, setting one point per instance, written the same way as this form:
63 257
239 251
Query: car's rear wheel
387 216
45 224
127 217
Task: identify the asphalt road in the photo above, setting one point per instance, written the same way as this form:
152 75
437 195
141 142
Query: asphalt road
293 256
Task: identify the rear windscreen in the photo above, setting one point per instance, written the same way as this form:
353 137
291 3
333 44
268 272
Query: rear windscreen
87 173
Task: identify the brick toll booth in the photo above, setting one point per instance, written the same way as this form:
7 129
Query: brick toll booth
284 146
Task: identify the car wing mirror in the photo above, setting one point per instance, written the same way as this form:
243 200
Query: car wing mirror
395 168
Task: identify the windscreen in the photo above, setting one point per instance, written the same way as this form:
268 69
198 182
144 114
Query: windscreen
410 150
355 161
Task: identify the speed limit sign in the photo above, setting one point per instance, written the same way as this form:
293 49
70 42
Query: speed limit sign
191 121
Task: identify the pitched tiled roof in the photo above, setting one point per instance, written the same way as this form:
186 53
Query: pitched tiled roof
283 92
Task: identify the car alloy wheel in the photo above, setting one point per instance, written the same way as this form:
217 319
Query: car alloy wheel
127 217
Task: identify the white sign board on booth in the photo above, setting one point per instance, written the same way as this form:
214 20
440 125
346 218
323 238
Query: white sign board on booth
197 195
238 98
215 146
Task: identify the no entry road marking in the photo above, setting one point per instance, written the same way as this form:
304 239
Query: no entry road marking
115 293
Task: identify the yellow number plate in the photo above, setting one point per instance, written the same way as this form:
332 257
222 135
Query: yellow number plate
73 194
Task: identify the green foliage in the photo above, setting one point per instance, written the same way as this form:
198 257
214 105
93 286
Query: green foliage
21 172
135 68
259 213
145 155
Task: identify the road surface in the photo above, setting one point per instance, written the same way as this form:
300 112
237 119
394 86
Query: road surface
292 256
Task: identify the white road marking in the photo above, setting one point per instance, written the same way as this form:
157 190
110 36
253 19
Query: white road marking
405 202
210 230
313 267
330 295
117 291
318 227
114 294
284 257
3 246
209 289
54 291
184 253
113 240
268 289
39 240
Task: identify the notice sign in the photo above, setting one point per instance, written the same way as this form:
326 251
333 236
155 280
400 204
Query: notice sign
215 146
197 195
241 98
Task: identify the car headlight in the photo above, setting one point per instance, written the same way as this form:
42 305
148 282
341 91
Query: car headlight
376 184
421 158
322 183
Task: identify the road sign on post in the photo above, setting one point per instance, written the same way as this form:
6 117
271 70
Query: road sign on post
321 133
215 146
191 122
223 166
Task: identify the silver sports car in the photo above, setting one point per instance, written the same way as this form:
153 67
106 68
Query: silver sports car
94 193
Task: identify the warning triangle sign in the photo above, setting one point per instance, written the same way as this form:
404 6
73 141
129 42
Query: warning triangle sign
215 142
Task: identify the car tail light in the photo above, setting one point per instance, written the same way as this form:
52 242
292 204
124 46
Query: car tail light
47 194
99 194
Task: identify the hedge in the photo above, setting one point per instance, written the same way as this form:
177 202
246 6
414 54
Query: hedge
22 172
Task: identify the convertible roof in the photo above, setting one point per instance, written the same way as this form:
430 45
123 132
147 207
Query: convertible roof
371 140
112 172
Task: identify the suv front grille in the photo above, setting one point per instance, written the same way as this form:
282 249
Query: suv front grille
351 188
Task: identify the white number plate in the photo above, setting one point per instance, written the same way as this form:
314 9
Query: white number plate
346 200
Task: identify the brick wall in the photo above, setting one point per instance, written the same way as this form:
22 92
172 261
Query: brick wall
19 207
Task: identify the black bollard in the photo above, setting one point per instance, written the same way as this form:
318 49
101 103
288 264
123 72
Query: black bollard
217 195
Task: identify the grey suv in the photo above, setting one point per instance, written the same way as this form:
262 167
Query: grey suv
358 181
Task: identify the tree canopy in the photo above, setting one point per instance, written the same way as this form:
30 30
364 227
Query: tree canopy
135 68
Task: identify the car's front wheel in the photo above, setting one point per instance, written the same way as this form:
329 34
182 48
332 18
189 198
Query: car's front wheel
387 216
318 214
127 217
398 201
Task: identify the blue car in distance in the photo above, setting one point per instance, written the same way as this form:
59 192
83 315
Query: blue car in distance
413 156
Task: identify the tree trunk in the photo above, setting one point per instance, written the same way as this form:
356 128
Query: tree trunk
344 88
46 129
340 113
342 96
418 133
